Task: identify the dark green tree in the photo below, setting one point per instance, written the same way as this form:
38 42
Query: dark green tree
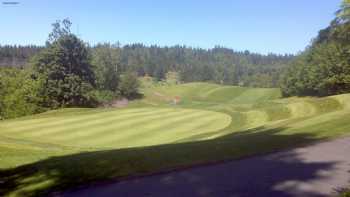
105 59
324 68
18 93
64 66
129 85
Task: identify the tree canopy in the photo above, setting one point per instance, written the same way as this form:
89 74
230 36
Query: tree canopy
64 66
19 93
105 59
324 68
218 65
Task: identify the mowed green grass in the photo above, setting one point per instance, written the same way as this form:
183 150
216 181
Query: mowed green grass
66 148
115 128
213 93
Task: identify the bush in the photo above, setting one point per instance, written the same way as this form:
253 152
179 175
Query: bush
129 86
19 93
103 96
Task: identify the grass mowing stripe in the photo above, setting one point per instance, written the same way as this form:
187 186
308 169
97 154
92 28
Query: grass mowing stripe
77 123
70 129
92 114
117 131
314 120
62 113
301 109
206 90
51 121
252 95
224 94
202 125
343 100
175 131
104 129
255 118
155 129
60 121
211 91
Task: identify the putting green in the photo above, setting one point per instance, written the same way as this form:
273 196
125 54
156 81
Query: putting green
117 128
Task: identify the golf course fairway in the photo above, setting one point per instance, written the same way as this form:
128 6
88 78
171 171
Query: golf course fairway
65 148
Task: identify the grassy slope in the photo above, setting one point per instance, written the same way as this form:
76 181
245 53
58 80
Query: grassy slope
72 149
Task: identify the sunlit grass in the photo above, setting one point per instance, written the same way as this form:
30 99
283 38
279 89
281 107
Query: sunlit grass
64 148
118 128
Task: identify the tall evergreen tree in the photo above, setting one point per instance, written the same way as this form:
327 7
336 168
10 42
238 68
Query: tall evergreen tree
65 67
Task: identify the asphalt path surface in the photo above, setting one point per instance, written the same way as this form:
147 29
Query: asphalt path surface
312 171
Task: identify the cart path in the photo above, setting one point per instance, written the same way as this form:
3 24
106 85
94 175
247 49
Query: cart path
314 171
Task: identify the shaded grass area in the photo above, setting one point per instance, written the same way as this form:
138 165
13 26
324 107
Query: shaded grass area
66 148
63 172
345 193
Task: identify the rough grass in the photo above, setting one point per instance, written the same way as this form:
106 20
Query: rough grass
66 148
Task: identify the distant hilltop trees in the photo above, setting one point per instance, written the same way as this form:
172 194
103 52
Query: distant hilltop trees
218 65
16 55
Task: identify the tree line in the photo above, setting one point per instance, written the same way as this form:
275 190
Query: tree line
324 67
68 72
218 65
16 55
64 73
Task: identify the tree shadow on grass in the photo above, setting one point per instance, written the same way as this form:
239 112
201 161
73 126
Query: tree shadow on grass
66 172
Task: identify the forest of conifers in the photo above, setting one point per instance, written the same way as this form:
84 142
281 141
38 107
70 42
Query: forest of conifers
220 65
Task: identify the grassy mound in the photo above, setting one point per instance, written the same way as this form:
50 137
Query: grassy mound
65 148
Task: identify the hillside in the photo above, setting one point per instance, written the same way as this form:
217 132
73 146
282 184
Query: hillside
255 106
209 123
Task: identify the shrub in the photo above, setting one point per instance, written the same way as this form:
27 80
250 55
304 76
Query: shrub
129 85
103 96
19 93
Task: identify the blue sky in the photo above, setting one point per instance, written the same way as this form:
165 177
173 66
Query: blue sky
280 26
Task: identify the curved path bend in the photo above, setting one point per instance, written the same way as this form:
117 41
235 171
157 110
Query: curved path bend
313 171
